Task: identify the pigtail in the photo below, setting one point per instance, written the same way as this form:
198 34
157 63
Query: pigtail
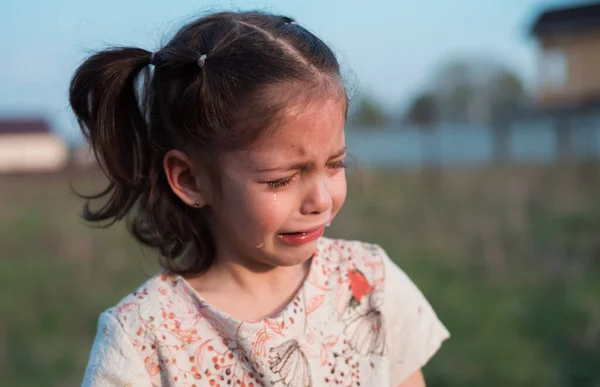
111 96
104 95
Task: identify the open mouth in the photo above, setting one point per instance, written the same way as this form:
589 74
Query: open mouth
301 237
302 233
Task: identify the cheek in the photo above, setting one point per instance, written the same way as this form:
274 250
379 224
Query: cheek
338 190
268 214
237 208
251 210
266 211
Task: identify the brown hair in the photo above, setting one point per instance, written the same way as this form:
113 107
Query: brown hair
218 84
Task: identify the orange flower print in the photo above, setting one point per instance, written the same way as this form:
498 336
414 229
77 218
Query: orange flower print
359 286
151 367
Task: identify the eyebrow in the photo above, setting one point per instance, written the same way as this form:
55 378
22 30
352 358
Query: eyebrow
302 165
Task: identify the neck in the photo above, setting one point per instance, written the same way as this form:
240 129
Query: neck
249 291
243 274
256 278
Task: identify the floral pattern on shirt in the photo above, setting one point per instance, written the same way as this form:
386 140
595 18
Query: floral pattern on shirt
334 331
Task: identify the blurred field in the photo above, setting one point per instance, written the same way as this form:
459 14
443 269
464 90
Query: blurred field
508 256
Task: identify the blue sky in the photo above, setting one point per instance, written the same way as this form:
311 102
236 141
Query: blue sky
389 47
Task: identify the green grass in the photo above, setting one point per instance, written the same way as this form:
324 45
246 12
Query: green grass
509 258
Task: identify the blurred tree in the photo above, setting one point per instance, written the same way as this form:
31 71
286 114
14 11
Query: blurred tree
455 90
424 114
508 93
477 91
470 91
423 111
368 114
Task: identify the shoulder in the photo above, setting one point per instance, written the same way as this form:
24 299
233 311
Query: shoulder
125 347
350 252
151 307
368 270
356 258
394 305
340 246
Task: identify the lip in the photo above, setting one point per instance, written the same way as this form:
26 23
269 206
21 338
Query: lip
301 237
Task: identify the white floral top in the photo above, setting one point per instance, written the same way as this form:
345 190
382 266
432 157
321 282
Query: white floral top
357 320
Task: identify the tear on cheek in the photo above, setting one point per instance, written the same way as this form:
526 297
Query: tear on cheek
260 246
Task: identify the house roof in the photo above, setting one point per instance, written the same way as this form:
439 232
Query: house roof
568 19
22 126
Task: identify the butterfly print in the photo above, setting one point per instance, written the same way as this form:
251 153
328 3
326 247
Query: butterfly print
289 362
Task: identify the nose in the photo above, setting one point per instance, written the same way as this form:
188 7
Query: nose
318 198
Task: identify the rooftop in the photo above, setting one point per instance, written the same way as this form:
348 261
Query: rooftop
567 20
21 126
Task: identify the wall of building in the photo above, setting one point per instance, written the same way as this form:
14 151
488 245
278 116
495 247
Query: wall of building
569 68
32 153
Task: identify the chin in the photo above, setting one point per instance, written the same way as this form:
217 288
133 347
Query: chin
296 255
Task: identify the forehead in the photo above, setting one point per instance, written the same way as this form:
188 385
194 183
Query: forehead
313 130
316 123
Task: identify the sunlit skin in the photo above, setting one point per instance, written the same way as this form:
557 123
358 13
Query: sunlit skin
289 182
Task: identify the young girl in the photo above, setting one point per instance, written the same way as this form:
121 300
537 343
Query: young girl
230 153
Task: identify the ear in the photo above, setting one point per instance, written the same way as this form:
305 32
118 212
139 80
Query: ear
186 178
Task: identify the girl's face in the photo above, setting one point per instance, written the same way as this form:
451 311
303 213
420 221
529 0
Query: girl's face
278 196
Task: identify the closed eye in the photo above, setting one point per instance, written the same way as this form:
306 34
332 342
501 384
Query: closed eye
341 164
280 183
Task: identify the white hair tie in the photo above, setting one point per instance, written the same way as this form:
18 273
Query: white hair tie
201 60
